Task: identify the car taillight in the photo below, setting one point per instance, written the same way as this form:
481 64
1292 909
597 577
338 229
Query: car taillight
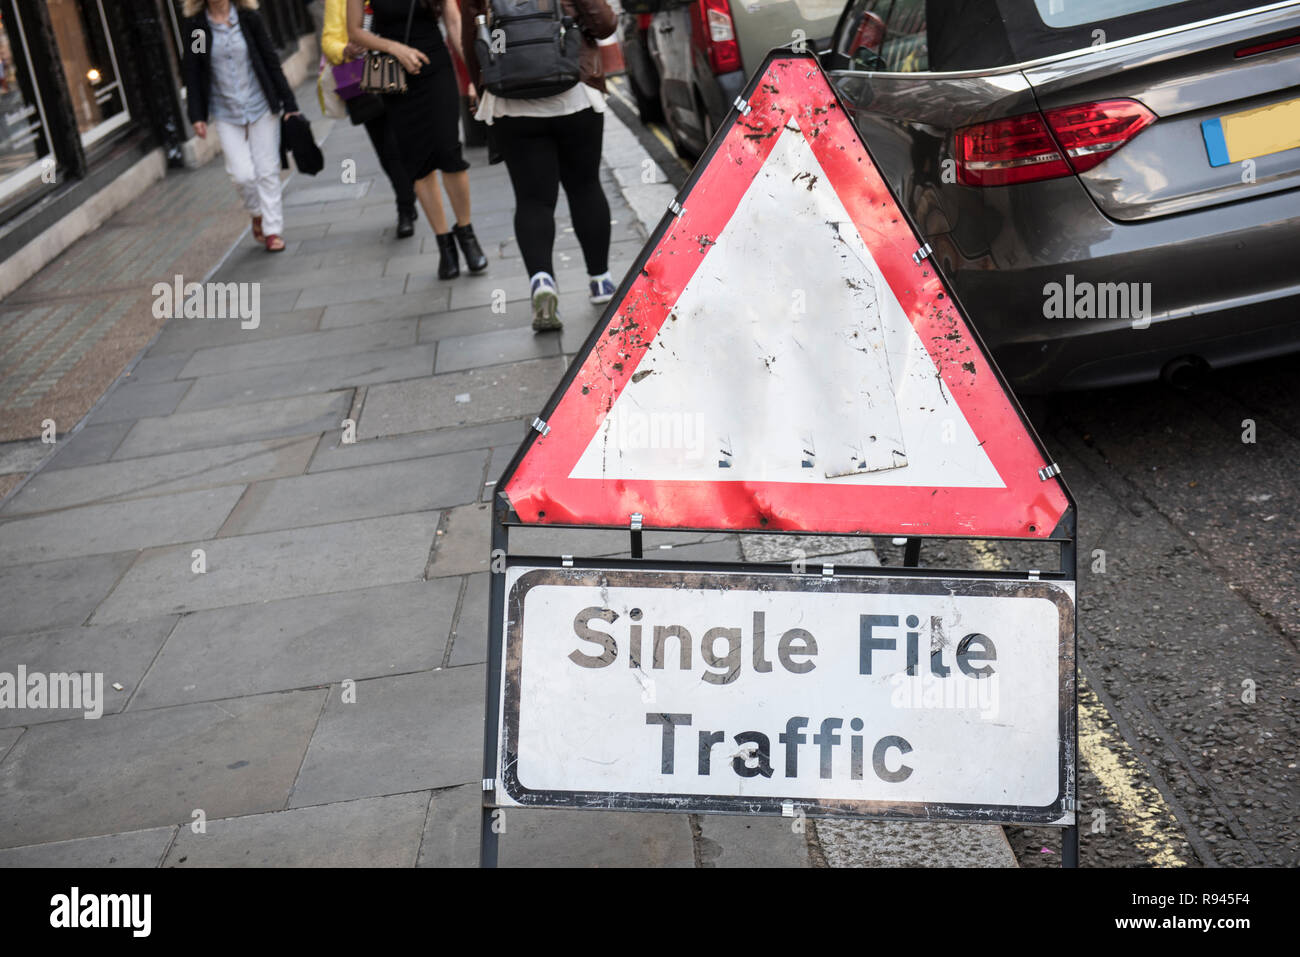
721 45
1091 132
643 21
1037 146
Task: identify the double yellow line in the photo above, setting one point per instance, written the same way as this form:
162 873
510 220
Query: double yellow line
618 86
1127 786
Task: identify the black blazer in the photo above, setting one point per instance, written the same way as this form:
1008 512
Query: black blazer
261 52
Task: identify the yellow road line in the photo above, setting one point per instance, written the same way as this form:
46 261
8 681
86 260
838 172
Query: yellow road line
616 86
1112 762
1116 768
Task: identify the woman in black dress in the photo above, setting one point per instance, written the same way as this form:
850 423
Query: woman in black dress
426 118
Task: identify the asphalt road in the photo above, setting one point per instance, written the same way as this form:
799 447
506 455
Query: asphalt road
1189 611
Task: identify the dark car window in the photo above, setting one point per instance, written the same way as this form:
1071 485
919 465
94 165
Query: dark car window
887 36
907 36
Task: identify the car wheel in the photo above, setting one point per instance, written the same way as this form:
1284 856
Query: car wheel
648 106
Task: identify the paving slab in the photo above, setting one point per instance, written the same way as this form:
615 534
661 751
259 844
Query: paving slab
306 378
405 733
458 353
286 350
516 315
94 443
305 273
357 290
56 594
131 849
913 844
501 456
333 453
22 455
137 400
271 419
188 335
368 491
332 194
302 642
469 639
159 368
567 838
752 842
451 828
272 565
388 307
163 474
98 529
118 654
464 546
371 832
459 398
504 283
137 770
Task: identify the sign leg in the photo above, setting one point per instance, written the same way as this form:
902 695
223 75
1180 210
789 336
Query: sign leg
912 553
1070 847
488 837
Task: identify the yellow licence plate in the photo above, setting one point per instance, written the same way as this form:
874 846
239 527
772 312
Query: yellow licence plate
1250 133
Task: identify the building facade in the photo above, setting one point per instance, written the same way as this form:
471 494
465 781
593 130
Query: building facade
87 89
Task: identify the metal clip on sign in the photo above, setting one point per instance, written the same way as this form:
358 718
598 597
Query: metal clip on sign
732 333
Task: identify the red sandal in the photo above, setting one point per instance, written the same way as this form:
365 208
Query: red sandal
274 243
258 235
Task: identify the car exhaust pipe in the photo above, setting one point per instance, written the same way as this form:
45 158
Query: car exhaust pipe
1184 372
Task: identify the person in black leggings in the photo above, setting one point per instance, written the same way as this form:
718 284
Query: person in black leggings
553 141
542 154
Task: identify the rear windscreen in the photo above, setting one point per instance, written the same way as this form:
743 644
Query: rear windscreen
982 34
1073 13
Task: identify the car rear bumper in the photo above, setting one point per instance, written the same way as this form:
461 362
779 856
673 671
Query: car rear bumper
1221 285
1103 357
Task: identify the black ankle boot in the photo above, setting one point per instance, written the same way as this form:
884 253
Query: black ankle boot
405 223
475 261
448 261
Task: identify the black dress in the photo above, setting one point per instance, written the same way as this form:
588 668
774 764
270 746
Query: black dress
426 118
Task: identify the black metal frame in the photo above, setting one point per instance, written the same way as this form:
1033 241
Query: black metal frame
503 516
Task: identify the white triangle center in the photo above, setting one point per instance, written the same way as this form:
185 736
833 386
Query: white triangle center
788 358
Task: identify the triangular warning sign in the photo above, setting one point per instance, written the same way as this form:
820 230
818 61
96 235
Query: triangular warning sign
783 358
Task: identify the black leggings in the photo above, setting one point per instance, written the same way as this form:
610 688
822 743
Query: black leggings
382 137
541 153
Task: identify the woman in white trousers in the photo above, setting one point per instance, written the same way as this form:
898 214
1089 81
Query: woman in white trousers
233 79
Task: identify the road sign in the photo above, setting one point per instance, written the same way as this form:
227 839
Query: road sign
784 356
891 697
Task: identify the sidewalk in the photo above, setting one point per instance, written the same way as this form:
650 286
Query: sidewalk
315 696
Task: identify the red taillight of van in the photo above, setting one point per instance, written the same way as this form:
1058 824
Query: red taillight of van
719 36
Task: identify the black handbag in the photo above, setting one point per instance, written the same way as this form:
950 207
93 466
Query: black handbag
383 72
364 107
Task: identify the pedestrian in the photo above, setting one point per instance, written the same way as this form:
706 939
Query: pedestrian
233 78
550 141
426 118
367 110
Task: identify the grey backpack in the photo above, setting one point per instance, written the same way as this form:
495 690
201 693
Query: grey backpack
528 49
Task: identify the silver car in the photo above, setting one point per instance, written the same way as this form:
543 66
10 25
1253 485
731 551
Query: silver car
1113 186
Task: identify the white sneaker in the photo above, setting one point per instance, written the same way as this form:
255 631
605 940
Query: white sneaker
601 289
546 303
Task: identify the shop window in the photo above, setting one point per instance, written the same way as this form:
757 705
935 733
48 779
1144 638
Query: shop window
90 66
26 155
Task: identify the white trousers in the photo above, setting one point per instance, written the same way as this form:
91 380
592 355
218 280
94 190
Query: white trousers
253 161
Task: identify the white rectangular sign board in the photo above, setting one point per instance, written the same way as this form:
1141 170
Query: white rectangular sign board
741 692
